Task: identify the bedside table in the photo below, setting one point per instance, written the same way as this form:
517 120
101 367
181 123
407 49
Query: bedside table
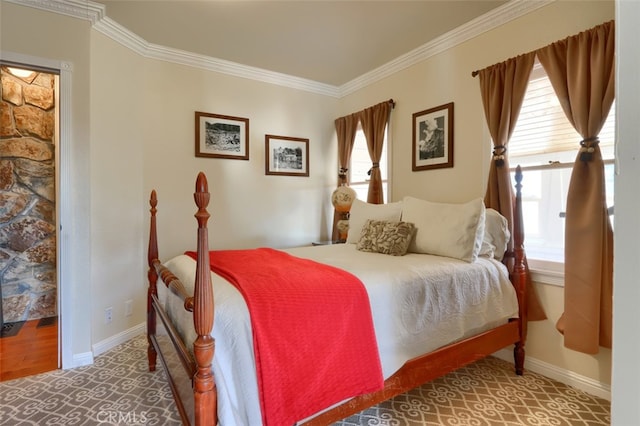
327 243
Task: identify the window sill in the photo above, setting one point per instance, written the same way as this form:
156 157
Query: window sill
545 272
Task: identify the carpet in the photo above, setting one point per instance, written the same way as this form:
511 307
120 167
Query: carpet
488 392
118 390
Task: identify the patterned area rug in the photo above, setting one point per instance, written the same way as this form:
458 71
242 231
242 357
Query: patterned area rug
488 392
118 390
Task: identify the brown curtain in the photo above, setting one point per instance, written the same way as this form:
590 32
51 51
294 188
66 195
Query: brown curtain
346 131
581 71
374 122
503 87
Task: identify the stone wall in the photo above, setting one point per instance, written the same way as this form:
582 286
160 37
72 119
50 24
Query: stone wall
27 197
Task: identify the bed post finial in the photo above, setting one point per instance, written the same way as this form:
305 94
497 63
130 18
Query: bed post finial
520 273
204 345
152 276
152 253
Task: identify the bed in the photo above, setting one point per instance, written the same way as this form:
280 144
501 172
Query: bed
423 314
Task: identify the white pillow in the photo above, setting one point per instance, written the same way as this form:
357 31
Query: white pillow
452 230
361 211
496 235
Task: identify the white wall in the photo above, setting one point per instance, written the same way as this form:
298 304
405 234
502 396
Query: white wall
143 138
248 208
117 120
446 77
625 406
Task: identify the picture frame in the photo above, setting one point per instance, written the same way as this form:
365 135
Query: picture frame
433 138
286 156
222 136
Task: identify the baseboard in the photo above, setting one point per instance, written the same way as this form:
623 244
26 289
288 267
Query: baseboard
113 341
586 384
80 360
86 358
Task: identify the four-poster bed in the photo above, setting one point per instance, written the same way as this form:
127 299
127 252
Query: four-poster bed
197 368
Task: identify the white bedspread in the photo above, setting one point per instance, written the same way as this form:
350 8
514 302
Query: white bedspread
419 303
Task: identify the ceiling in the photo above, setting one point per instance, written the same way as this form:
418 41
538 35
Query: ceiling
330 42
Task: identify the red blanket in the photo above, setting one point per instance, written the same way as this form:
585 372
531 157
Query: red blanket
312 330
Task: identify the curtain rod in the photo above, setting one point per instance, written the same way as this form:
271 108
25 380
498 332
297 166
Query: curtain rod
476 72
390 102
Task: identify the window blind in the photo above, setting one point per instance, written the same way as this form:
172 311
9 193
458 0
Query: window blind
542 126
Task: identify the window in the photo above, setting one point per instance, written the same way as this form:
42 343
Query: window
546 145
361 163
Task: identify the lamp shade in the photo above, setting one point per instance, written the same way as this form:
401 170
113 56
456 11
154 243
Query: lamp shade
342 198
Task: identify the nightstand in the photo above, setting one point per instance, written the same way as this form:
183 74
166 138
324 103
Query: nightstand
327 243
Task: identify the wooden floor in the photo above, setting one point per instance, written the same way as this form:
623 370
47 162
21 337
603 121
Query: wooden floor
33 350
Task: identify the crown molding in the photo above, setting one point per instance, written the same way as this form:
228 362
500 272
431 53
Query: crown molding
82 9
122 35
95 13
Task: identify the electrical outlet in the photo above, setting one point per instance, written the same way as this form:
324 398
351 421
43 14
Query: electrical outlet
108 315
128 308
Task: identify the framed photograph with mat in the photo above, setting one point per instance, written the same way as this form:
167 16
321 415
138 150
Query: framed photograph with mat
433 138
222 136
286 156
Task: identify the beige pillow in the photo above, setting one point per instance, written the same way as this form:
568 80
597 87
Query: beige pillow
452 230
386 237
496 235
361 211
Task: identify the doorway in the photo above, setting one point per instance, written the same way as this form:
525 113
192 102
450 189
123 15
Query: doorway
29 342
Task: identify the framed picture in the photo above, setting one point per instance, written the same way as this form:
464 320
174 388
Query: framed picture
433 138
286 156
222 136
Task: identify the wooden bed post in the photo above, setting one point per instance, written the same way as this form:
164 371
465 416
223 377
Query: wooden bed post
204 389
152 275
520 275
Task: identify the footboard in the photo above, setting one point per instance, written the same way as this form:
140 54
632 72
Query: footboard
202 409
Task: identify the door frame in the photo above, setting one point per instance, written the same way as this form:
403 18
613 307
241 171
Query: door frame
63 199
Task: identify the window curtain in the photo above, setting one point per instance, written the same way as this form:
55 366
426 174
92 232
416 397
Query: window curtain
503 87
374 122
346 131
581 71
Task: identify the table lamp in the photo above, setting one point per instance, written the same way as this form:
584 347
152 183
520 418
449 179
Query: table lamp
342 199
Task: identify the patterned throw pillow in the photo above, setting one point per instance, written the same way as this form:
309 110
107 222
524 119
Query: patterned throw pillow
386 237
